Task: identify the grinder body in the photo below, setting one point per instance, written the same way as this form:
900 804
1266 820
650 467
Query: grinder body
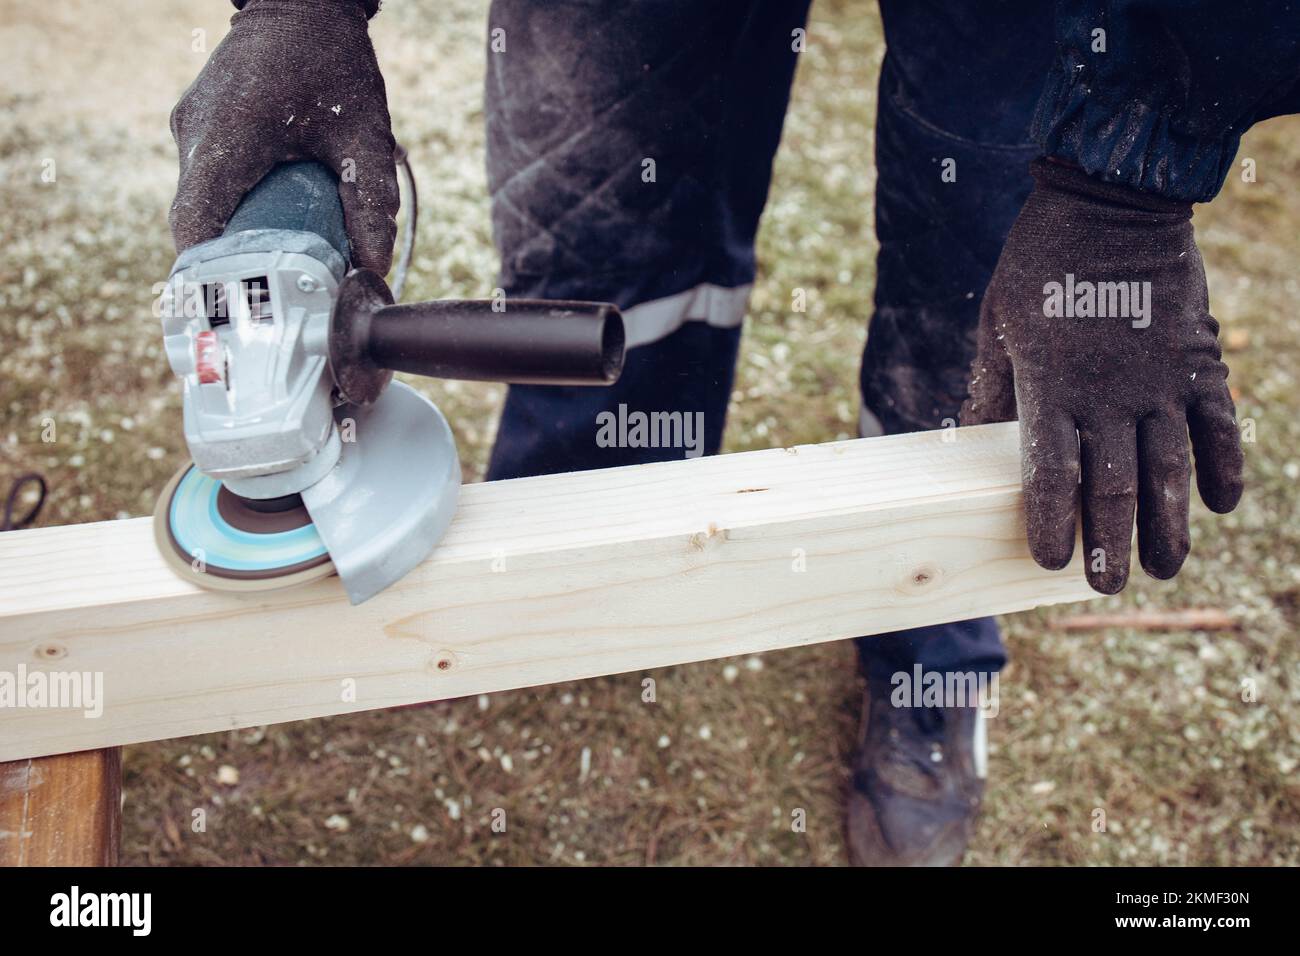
247 332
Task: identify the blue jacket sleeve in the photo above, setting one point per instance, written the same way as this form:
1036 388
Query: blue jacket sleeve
1159 101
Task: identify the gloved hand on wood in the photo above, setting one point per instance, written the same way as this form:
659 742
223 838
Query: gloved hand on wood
292 80
1095 332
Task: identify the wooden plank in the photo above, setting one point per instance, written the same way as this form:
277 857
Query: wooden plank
1174 619
539 580
64 810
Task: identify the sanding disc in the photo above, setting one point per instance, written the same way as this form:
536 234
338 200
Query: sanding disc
219 540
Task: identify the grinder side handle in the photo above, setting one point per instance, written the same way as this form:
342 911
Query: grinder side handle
522 341
518 341
299 197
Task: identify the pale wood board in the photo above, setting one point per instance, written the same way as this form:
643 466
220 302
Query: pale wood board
599 572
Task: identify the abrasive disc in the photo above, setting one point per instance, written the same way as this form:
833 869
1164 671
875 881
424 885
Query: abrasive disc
218 540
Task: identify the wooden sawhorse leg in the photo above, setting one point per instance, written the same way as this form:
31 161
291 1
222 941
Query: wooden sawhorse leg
64 810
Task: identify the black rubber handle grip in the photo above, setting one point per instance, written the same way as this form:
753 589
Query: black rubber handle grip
531 342
303 197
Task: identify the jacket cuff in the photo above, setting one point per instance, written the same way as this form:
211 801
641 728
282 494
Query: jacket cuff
1133 145
370 6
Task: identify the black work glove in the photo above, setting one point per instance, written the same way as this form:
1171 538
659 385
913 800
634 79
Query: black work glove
292 80
1110 398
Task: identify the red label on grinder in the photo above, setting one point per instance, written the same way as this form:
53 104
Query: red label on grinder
207 357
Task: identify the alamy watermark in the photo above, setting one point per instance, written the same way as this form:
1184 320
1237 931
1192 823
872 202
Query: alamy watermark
922 688
1098 300
133 911
53 690
638 429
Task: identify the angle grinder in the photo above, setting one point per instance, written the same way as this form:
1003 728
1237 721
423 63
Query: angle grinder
308 459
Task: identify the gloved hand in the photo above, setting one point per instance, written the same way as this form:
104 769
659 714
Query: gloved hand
292 80
1132 385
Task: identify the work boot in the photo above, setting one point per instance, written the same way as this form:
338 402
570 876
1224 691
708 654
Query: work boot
918 778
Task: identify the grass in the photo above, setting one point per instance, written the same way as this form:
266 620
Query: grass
1151 730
